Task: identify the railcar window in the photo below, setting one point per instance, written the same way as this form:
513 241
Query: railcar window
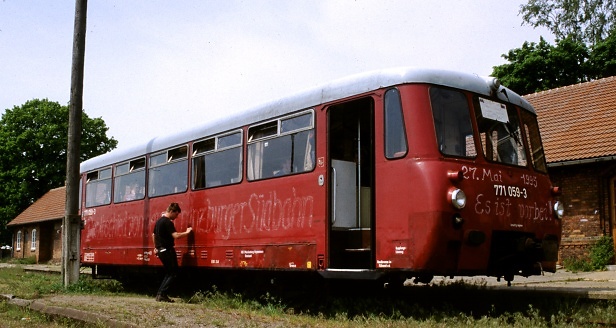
204 146
168 172
98 187
452 122
296 123
129 181
395 135
534 141
499 128
217 161
231 140
263 131
288 151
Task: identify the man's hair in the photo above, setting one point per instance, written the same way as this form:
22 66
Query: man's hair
174 207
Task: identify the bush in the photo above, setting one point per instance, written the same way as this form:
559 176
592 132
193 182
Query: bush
601 254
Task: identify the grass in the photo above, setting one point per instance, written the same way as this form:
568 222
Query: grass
31 285
455 305
22 284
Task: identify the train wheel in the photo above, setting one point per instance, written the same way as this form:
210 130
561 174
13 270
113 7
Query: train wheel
508 278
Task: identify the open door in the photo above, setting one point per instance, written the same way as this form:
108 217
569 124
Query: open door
612 201
351 170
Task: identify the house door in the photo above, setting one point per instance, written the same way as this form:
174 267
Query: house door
351 176
613 208
46 242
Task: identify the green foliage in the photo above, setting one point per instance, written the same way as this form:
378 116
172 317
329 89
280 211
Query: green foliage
588 21
30 285
87 285
541 66
25 260
601 254
577 265
33 144
602 61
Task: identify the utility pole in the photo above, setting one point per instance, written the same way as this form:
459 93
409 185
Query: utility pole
71 225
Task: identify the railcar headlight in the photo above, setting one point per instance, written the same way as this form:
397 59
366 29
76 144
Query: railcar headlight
458 199
559 209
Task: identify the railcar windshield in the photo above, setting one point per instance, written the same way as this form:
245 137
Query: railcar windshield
500 132
531 126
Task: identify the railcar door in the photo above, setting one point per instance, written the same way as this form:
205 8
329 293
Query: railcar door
351 176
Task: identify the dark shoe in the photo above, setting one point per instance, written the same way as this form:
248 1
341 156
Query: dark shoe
160 298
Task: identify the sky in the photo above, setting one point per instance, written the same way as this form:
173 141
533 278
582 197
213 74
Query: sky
154 67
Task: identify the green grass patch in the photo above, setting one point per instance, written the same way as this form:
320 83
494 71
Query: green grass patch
31 285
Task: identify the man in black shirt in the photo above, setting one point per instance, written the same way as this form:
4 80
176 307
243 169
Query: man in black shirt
164 237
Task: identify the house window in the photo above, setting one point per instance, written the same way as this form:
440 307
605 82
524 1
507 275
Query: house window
18 241
33 241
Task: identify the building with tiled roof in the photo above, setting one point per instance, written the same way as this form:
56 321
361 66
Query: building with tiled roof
37 230
578 128
578 122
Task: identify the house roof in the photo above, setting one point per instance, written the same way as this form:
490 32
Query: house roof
49 207
577 122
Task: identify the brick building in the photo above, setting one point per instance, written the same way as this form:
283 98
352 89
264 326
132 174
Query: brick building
37 231
578 128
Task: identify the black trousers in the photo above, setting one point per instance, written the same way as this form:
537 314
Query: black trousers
170 262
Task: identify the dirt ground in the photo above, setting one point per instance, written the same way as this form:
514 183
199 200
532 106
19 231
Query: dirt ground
115 311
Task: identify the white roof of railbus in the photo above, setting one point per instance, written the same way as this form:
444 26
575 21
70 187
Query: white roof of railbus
337 89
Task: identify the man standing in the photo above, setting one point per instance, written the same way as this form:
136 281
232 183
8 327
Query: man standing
164 237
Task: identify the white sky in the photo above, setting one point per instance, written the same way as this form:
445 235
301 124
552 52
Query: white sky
155 66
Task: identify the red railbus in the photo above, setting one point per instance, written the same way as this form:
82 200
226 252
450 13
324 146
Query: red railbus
400 173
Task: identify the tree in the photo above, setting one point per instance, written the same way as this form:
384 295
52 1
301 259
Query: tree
602 59
33 143
588 21
537 67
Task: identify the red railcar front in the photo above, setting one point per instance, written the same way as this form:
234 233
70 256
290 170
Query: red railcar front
472 196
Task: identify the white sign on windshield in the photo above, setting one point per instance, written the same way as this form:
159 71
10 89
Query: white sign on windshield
493 110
